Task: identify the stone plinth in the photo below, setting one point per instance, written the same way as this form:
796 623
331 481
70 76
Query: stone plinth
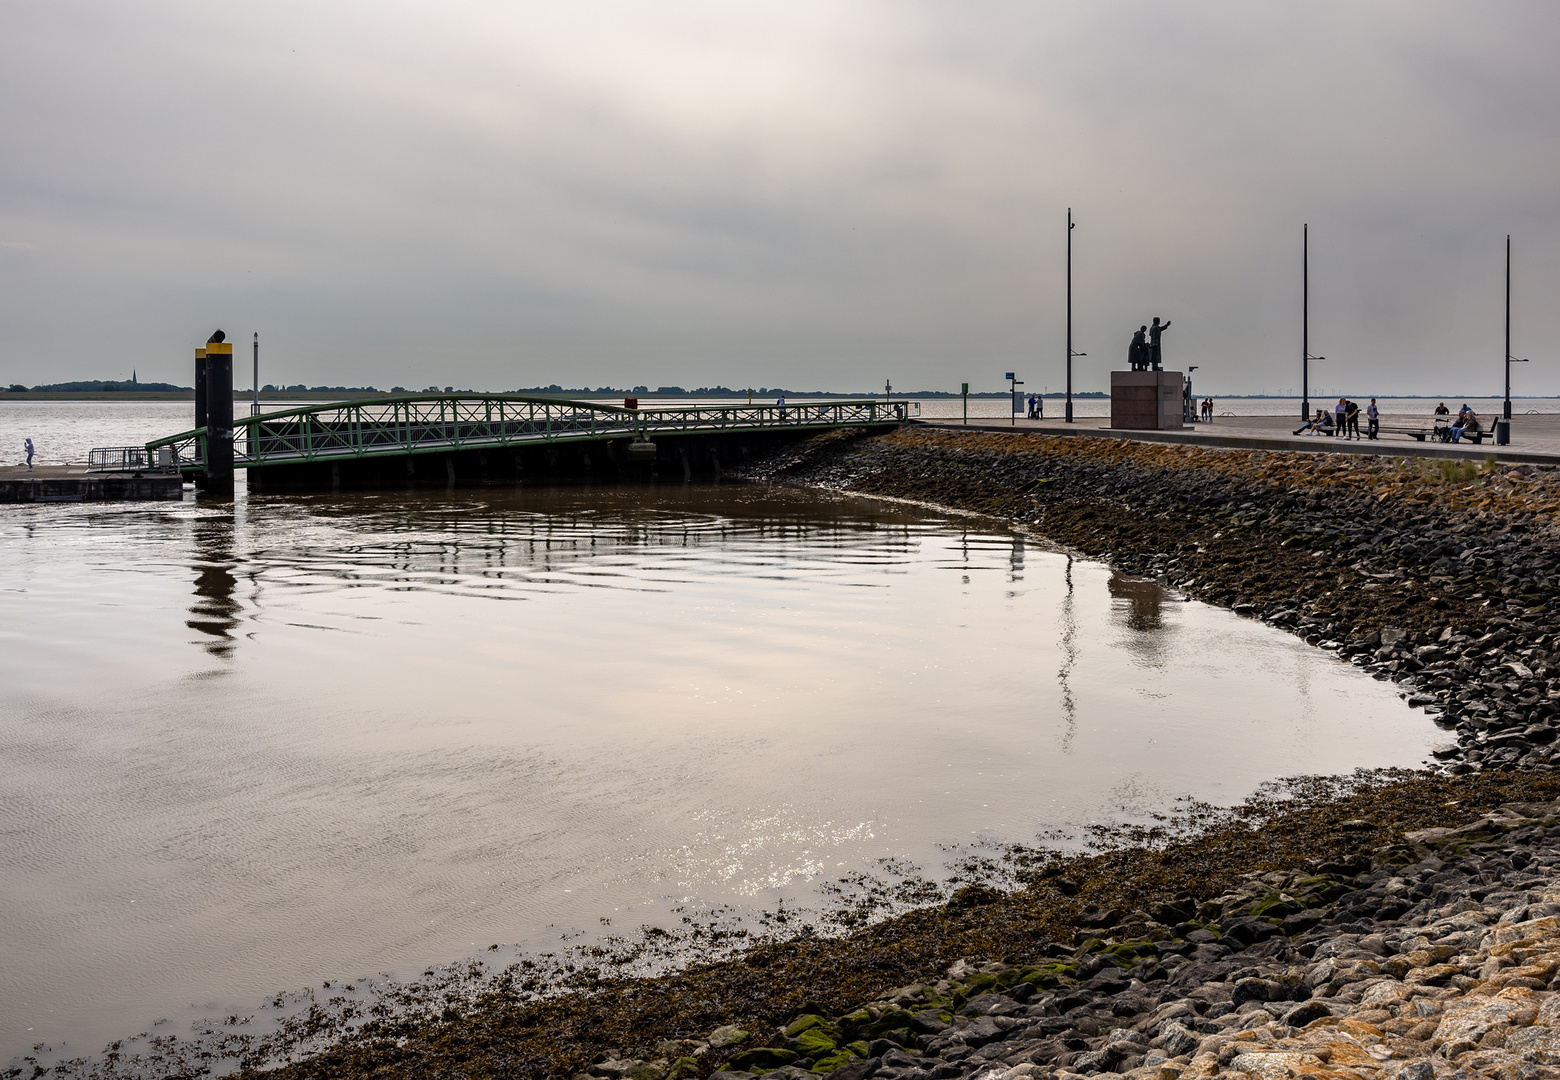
1145 400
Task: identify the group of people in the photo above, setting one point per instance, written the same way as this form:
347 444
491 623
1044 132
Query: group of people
1344 420
1205 410
1448 430
1036 407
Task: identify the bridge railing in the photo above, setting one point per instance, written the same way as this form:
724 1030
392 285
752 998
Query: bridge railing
436 423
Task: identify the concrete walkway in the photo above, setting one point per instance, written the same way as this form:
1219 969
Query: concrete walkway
1535 440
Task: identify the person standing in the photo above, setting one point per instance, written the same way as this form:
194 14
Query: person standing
1351 415
1372 420
27 443
1339 410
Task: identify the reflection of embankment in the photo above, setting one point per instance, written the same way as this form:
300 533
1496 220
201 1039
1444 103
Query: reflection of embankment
1441 582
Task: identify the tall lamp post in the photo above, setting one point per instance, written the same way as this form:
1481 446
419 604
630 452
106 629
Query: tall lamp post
254 408
1509 358
1068 416
1305 323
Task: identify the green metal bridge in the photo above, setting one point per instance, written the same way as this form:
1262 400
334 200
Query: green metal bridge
404 425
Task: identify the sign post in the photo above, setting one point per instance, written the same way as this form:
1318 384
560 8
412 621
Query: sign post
964 389
1018 402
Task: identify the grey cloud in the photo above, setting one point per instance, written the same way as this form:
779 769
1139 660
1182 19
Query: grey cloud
806 194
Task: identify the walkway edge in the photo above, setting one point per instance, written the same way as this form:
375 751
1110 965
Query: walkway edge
1250 442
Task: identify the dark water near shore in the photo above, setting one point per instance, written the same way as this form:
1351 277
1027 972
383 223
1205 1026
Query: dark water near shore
256 746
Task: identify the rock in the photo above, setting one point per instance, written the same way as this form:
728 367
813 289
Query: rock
1178 1040
1305 1013
728 1036
764 1057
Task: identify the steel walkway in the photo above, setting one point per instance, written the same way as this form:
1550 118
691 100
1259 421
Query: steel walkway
407 424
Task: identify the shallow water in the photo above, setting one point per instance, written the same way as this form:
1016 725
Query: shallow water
257 745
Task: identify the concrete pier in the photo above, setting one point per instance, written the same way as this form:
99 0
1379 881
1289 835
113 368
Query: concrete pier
73 483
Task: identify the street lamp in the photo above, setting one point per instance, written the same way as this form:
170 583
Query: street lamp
1509 358
1306 399
1305 324
1070 354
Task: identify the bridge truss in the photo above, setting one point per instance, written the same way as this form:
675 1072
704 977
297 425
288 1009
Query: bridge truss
407 424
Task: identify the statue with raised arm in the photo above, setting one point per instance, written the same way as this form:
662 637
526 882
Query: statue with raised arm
1154 331
1137 354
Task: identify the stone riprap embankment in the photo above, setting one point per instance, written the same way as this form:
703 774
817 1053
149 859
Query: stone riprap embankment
1438 957
1442 576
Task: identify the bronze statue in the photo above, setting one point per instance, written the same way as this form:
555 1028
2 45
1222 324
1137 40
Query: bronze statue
1153 342
1137 354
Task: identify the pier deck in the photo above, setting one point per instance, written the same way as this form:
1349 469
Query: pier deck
73 483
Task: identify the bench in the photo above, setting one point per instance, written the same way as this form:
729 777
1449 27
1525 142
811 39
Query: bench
1431 431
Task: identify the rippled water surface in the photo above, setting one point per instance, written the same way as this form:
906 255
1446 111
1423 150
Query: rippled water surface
253 746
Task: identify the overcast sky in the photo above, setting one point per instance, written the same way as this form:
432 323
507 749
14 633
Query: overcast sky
808 195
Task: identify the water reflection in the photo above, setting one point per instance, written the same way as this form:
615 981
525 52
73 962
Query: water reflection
215 612
1069 620
1139 604
1143 601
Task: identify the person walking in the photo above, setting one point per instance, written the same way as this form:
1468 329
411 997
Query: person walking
1372 420
1338 414
27 444
1351 414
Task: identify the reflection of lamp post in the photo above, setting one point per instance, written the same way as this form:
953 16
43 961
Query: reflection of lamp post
1070 353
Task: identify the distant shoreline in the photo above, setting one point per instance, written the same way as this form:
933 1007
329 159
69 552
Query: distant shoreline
277 396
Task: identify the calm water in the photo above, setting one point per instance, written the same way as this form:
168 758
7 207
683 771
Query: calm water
257 745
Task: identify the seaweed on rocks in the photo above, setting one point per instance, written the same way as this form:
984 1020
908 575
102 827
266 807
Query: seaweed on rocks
1202 874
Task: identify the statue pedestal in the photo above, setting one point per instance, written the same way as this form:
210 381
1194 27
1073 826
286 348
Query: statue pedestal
1145 400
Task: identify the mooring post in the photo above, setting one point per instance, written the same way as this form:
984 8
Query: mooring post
200 387
219 418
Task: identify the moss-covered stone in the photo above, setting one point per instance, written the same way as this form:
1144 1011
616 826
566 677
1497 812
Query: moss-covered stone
815 1042
805 1021
684 1068
762 1057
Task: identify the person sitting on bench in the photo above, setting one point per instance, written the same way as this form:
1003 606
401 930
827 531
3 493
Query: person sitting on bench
1467 424
1320 424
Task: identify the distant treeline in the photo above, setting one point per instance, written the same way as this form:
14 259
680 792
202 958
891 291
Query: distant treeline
97 386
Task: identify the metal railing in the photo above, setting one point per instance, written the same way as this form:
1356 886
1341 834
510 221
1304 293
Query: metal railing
118 459
438 423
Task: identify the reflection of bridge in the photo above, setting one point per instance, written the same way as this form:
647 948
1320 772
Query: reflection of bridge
407 426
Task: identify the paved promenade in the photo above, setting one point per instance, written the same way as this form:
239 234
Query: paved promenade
1534 439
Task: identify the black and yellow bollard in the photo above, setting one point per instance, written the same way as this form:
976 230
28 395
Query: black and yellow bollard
219 418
